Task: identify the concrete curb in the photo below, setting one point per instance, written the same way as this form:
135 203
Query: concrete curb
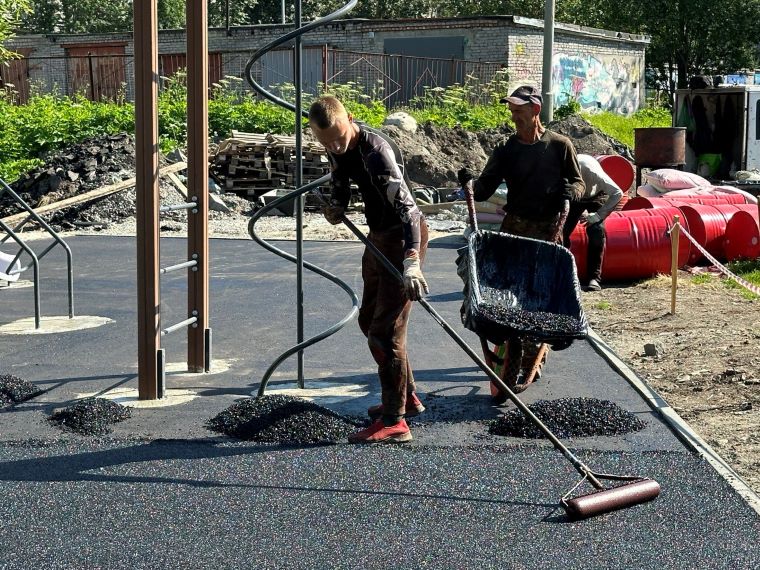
681 429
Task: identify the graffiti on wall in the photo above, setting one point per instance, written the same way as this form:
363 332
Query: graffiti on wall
596 82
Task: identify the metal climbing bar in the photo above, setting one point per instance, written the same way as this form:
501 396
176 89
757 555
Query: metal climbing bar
184 265
178 207
179 325
298 193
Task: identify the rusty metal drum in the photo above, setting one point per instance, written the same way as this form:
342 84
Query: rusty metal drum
660 146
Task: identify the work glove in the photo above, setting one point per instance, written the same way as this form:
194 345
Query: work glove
334 213
593 219
414 282
464 176
568 190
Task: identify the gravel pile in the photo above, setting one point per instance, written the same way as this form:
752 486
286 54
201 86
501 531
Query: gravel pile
569 417
91 416
282 419
14 390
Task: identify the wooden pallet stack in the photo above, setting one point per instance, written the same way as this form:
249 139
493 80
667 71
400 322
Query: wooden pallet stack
252 164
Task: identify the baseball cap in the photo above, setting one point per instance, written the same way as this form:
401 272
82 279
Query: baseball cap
522 95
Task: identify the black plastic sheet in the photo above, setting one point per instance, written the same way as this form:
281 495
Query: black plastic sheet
520 287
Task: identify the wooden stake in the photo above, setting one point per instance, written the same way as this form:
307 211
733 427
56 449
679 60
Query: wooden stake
674 236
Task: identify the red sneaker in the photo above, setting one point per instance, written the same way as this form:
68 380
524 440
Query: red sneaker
414 407
378 433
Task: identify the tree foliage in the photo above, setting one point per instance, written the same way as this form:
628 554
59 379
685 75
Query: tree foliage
171 14
688 37
11 12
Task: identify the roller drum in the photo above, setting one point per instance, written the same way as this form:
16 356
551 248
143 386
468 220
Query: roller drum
608 500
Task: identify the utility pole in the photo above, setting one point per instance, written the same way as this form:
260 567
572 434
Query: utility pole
547 110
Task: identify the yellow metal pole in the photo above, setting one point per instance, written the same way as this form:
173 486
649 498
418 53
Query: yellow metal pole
674 236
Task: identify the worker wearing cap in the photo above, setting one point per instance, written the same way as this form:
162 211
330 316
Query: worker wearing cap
541 171
398 229
539 167
599 199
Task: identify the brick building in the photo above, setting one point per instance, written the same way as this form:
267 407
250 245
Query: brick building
599 68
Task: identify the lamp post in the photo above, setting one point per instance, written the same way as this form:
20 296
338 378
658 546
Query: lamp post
547 110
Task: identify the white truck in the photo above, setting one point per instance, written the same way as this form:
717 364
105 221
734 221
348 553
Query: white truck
722 129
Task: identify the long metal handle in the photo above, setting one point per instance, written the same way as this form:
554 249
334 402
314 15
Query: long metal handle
577 463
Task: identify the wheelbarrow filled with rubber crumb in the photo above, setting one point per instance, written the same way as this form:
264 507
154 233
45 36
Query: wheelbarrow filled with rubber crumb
519 291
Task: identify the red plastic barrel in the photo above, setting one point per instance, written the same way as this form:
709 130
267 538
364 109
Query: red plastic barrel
619 169
742 237
707 224
579 249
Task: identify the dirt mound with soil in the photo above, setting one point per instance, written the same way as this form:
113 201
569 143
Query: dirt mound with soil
587 139
75 170
433 154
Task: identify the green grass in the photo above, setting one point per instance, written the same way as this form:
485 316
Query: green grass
621 127
603 306
748 270
701 279
52 121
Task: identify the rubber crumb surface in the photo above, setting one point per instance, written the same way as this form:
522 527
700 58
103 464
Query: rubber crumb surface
205 504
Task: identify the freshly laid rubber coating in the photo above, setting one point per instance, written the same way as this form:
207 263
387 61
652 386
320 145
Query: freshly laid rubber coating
608 500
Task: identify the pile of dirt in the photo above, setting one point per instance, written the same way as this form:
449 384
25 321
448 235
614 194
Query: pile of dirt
14 390
587 139
75 170
433 154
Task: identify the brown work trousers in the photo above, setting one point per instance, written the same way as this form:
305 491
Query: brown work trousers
546 230
384 316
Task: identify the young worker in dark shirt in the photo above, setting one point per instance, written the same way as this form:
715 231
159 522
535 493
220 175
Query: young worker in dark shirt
398 229
541 171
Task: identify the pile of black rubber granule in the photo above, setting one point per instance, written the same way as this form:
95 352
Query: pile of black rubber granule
569 417
91 416
14 390
282 419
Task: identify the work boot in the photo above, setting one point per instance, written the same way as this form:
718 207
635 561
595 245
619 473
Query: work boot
593 285
413 408
380 433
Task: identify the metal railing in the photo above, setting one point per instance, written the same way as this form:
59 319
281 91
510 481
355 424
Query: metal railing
14 265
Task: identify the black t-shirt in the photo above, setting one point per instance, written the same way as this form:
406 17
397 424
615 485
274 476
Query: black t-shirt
388 201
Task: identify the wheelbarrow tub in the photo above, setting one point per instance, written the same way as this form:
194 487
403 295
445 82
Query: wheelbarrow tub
520 287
